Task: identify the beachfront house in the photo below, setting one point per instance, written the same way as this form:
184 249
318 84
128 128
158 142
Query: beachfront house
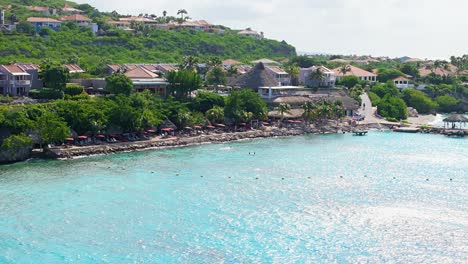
402 83
144 79
308 77
17 79
44 22
355 71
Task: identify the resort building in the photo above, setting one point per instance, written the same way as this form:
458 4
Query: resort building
326 79
46 11
144 79
355 71
198 25
166 68
251 33
17 79
71 10
124 25
281 76
44 22
402 83
74 68
81 21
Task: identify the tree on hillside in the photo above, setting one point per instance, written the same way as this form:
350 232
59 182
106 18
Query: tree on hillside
386 75
119 84
182 83
215 114
309 109
54 76
51 128
447 103
213 62
350 81
189 63
419 100
239 103
392 107
216 76
206 101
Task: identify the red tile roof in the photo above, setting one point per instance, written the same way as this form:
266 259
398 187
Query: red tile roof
354 71
42 20
38 8
73 68
140 73
75 17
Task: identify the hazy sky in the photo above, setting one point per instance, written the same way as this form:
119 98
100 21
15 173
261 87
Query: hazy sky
415 28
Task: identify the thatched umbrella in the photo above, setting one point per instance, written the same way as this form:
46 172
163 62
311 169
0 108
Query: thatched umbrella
168 124
255 78
456 118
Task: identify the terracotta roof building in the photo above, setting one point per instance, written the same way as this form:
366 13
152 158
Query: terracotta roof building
355 71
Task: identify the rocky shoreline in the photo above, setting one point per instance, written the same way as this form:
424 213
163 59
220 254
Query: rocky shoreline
86 151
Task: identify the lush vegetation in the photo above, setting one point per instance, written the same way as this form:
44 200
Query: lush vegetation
73 44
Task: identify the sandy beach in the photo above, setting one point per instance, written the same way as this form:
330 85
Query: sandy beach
422 119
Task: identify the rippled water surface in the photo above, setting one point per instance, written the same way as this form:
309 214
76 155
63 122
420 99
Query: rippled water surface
381 198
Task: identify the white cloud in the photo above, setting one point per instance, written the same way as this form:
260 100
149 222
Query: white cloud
419 28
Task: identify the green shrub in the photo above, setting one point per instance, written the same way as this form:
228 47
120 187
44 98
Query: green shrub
5 99
375 99
16 142
393 107
405 122
447 103
419 100
73 89
391 119
46 93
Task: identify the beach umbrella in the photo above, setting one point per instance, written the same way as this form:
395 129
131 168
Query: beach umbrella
82 137
197 127
167 129
210 127
70 139
100 136
220 125
151 131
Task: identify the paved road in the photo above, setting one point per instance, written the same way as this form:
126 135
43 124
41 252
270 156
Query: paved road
368 111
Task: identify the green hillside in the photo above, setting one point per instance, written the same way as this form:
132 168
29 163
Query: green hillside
117 46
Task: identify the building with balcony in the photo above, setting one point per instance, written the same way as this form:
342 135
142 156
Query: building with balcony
44 22
310 78
358 72
17 79
144 79
402 83
280 75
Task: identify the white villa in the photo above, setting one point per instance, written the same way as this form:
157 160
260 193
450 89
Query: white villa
328 77
402 83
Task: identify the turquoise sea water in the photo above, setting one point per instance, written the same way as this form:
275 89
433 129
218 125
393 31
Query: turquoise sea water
382 198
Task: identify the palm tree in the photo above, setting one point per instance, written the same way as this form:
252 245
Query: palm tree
309 109
293 71
345 69
317 75
164 13
182 12
283 109
189 63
